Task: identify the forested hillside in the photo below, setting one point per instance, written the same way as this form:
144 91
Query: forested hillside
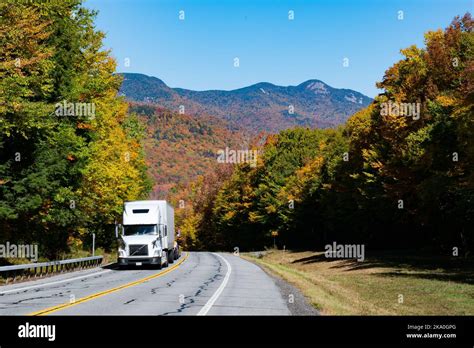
399 174
69 152
181 147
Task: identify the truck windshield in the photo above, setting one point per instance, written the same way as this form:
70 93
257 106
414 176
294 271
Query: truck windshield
135 230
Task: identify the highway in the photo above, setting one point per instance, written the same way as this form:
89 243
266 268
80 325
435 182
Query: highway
199 283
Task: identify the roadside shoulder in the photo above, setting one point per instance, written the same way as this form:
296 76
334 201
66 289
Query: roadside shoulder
298 304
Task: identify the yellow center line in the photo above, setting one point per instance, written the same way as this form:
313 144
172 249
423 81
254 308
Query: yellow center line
106 292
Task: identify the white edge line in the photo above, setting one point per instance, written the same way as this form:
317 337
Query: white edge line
219 290
53 283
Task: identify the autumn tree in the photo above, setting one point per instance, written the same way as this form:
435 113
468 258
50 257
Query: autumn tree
62 174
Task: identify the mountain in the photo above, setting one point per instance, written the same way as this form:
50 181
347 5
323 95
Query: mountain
260 107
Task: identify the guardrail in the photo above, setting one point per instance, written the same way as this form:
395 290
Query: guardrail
44 268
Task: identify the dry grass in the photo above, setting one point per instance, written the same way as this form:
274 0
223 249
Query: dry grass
428 286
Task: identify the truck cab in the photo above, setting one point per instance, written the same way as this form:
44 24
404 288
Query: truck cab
146 236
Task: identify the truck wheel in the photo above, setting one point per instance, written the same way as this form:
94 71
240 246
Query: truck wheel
170 256
166 262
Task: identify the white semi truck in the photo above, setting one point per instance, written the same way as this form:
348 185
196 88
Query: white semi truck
146 236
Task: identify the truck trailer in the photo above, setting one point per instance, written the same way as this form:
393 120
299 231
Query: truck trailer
146 235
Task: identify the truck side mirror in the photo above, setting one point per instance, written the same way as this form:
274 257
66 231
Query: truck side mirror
117 226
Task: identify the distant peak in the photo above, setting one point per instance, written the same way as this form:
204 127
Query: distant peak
263 84
260 85
316 86
138 76
312 81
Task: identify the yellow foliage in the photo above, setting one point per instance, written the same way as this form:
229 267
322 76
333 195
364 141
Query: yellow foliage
271 209
188 229
445 100
254 217
229 215
112 176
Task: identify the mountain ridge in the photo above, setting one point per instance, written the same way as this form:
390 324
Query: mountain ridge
259 107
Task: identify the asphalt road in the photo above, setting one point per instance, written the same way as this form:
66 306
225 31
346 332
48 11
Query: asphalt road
199 283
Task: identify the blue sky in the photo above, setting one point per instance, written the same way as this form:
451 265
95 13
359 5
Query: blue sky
198 52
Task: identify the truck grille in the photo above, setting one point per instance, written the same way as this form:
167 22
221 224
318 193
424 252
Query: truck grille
138 250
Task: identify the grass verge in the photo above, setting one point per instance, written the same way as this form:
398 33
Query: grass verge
388 284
